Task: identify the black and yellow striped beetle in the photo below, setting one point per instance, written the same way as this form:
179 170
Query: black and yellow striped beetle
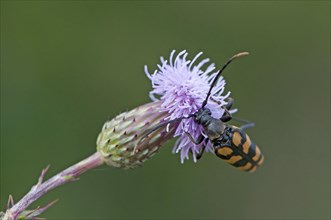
230 143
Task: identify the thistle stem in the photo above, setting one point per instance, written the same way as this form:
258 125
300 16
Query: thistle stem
68 175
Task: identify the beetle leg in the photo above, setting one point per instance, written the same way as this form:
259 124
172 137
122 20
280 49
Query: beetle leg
200 139
230 103
227 106
226 116
248 125
214 100
199 155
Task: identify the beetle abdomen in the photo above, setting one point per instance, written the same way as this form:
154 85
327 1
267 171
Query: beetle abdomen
240 151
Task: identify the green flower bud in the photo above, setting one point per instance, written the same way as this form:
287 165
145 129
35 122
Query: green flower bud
121 135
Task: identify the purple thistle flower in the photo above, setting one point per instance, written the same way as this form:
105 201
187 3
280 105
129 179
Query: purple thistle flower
181 86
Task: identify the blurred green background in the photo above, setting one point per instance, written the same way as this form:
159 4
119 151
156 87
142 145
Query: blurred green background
68 66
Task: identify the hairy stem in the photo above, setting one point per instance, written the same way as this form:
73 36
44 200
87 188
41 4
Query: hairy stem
68 175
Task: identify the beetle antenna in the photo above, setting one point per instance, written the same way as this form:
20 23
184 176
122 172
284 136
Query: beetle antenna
160 126
219 74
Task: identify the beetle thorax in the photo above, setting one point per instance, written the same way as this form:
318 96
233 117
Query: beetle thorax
203 117
213 128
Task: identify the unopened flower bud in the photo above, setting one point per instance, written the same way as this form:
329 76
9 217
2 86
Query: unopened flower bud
126 132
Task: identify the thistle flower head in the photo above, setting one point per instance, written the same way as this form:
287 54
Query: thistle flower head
181 85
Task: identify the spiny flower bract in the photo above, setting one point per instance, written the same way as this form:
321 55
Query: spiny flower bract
120 135
182 85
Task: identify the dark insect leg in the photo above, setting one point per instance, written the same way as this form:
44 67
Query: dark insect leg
226 116
241 120
230 103
248 125
214 100
228 106
199 155
200 139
